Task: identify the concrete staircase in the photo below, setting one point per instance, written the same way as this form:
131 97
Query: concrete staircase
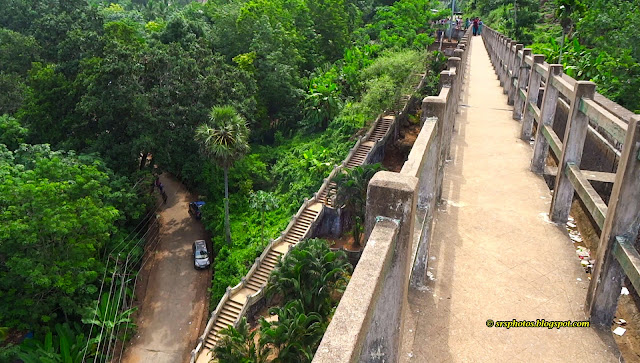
232 306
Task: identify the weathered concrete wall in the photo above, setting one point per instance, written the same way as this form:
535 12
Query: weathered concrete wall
367 326
331 223
346 335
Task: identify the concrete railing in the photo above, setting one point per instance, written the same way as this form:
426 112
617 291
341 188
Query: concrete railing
367 324
524 77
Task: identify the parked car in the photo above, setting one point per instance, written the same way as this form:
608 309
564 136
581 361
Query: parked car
200 254
195 209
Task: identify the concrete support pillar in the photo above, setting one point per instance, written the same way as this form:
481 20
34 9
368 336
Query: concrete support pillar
572 146
523 80
515 73
547 114
533 92
433 106
393 196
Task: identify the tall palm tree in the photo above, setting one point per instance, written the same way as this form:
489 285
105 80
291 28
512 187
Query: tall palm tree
224 140
351 194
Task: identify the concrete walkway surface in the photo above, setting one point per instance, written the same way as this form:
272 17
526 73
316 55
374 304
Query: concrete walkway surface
494 254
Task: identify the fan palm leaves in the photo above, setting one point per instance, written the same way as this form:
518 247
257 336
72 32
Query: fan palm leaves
225 139
239 345
295 335
311 273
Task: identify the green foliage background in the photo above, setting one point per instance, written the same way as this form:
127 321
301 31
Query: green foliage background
90 88
594 40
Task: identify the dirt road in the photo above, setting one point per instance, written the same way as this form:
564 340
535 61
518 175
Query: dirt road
174 308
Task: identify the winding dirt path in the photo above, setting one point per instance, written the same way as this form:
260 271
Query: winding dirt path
175 304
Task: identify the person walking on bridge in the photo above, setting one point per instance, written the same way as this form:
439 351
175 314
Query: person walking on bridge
475 26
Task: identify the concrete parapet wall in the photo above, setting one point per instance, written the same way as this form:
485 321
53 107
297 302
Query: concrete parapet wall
367 325
346 335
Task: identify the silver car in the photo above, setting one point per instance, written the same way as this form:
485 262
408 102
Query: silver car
200 254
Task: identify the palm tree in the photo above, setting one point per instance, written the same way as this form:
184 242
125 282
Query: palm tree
239 345
295 335
351 193
224 140
311 273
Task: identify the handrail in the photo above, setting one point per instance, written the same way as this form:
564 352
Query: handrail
619 220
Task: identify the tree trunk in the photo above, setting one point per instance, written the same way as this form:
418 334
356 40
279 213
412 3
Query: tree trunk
143 160
227 226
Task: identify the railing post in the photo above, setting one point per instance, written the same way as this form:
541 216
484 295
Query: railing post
533 90
504 50
515 73
572 146
622 219
523 79
508 67
454 62
547 113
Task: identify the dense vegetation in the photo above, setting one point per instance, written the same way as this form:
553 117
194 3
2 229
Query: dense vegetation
310 280
595 40
91 89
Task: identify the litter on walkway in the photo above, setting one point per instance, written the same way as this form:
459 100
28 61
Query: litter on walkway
624 291
583 253
619 331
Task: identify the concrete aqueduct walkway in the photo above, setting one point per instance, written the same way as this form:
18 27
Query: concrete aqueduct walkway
493 254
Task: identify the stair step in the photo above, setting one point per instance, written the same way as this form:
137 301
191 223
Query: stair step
232 305
262 275
228 315
225 321
254 286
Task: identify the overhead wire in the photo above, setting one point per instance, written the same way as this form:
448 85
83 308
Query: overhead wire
130 237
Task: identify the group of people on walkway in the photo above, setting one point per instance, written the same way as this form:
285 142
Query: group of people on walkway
476 25
160 187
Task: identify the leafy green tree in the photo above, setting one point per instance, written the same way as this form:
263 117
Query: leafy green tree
295 335
239 345
225 141
57 210
17 51
12 134
322 101
352 194
13 94
311 273
264 202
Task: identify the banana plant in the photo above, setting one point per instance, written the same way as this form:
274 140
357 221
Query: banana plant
63 345
107 318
